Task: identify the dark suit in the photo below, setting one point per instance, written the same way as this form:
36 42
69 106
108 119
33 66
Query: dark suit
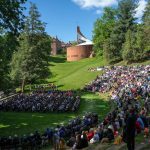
130 124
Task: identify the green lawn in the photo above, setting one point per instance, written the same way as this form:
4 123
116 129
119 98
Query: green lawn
66 75
73 75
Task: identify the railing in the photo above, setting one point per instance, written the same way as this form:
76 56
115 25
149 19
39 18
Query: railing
8 97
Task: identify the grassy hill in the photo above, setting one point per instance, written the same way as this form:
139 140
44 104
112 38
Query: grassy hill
66 75
73 75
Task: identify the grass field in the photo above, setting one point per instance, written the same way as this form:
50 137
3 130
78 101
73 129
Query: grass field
66 75
73 75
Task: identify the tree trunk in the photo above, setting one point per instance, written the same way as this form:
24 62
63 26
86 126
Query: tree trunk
22 86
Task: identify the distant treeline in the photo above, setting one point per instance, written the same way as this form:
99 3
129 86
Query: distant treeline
119 35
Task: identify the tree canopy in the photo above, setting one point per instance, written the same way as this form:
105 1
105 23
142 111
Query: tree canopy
30 62
117 34
11 15
103 28
11 23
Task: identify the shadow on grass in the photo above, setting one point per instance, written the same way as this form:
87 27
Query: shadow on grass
27 123
51 65
57 59
93 102
60 86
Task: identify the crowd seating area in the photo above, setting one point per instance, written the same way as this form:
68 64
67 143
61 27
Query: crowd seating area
120 78
42 101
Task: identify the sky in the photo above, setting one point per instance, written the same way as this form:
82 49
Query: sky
63 16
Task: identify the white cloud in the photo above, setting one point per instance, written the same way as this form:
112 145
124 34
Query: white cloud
100 4
140 9
99 11
95 3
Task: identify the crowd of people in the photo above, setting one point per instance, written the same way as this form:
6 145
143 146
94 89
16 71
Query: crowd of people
42 101
127 86
93 69
120 78
129 89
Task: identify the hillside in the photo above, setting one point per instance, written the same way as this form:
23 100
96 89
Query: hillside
74 75
66 75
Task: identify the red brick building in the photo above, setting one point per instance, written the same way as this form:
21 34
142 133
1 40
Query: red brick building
57 45
82 50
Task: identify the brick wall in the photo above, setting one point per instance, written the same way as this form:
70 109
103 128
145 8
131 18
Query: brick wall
55 46
76 53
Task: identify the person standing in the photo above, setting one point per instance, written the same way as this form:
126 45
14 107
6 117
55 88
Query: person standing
130 128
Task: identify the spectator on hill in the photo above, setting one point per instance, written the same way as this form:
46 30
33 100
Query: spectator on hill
95 138
108 135
130 125
84 139
78 143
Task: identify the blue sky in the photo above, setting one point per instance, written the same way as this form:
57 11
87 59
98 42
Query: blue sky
63 16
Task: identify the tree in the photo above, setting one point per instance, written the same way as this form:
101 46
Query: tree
128 47
30 63
7 46
146 15
139 44
11 23
146 27
133 48
11 15
125 22
111 52
103 28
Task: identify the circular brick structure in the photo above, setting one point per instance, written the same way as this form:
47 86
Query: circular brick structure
79 52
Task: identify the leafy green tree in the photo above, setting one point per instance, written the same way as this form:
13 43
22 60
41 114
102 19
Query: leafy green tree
33 22
30 63
125 22
146 15
11 15
111 52
139 44
108 53
8 45
133 48
146 27
103 28
128 47
11 23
